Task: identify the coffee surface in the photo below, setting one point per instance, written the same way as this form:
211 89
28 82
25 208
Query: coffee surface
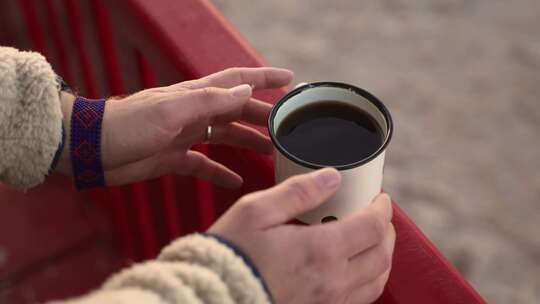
330 133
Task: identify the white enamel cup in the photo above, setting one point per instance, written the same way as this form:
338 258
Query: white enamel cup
361 180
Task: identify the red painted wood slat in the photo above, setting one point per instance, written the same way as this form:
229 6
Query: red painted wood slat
72 9
166 183
420 273
204 193
138 191
34 29
52 18
42 222
193 35
75 274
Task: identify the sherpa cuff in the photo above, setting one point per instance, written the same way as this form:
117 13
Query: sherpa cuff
30 118
173 282
208 252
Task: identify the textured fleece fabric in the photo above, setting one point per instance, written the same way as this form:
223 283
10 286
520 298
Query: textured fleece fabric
209 252
30 118
195 269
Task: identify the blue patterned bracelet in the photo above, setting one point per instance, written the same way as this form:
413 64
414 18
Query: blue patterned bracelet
85 143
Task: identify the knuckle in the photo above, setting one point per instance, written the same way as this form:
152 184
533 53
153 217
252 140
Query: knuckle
265 78
208 93
248 209
248 198
383 203
378 227
188 85
237 73
196 162
299 189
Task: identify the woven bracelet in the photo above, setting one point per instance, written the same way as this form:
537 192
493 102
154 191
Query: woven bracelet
85 146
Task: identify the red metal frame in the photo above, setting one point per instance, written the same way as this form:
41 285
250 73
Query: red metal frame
162 42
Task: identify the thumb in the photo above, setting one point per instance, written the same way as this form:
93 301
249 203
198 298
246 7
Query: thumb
291 198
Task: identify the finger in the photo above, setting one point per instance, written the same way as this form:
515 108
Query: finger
256 112
258 78
148 168
202 105
199 165
369 292
242 136
370 264
363 229
289 199
188 163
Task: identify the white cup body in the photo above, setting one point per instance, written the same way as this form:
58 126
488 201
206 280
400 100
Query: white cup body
361 181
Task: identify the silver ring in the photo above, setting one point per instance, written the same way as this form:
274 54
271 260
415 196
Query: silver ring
208 136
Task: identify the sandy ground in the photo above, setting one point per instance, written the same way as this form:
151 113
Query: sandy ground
462 79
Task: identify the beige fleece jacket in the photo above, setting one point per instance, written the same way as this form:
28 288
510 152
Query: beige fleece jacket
195 269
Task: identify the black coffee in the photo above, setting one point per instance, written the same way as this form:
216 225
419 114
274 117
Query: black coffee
330 133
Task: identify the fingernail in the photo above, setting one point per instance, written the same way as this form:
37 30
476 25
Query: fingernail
243 90
328 178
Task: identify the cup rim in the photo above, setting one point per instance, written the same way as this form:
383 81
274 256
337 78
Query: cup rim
370 97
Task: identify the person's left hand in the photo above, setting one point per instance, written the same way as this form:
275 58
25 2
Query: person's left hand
150 133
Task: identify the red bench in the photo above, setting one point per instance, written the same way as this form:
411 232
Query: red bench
56 242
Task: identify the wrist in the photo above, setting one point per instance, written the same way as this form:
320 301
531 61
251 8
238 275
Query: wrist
64 162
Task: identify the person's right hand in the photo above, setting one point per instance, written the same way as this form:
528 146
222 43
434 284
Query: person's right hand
344 262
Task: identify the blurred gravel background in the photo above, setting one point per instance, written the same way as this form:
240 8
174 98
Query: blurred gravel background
462 79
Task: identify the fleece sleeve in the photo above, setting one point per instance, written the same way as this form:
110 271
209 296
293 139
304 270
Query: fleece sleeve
196 269
30 118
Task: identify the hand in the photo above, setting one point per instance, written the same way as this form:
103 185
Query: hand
345 262
150 133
